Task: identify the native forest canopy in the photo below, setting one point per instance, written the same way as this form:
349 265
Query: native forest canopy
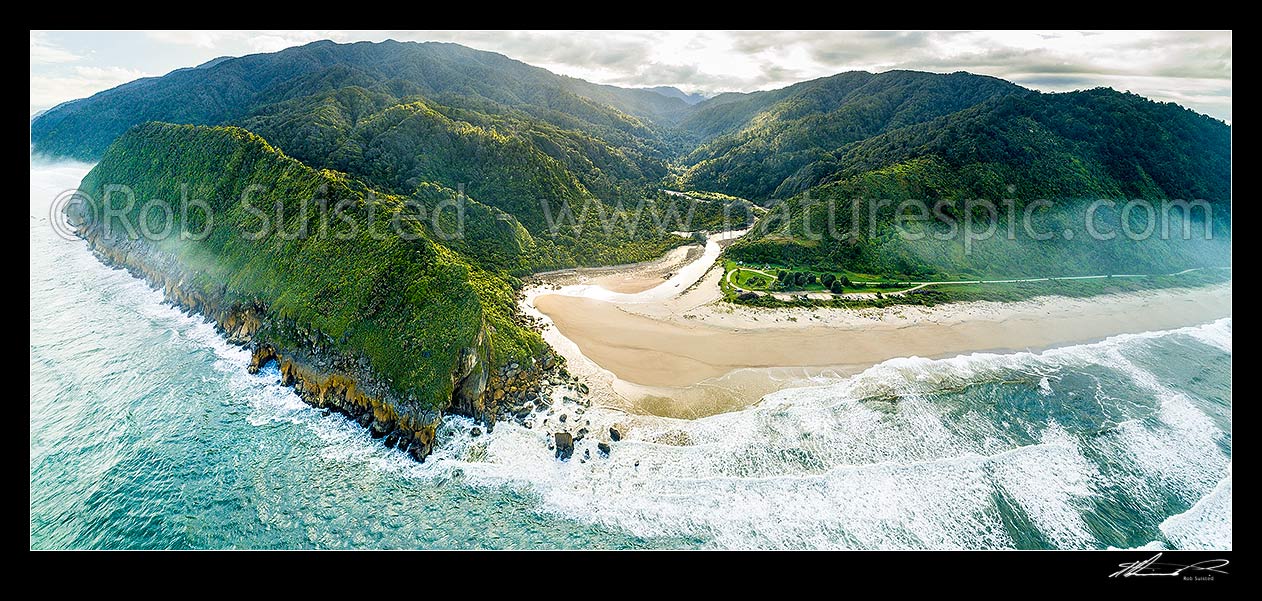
542 161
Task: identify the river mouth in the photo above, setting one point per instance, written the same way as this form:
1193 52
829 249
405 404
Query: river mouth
627 279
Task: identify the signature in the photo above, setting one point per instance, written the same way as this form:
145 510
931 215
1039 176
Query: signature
1151 567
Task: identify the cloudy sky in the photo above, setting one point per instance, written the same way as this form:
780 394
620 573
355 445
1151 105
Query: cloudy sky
1190 68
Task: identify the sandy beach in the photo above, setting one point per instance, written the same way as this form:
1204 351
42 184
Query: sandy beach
674 348
678 352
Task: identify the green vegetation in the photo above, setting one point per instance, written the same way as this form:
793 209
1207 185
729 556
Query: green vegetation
772 144
998 292
529 176
555 172
770 279
402 117
402 301
1064 150
751 280
224 92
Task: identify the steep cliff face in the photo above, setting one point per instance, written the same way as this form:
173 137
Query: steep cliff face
320 377
392 331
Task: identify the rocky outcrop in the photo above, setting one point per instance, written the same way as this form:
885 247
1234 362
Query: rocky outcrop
407 429
240 326
515 390
564 445
469 386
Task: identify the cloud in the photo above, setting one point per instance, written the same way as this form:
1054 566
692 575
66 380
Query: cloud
51 90
44 52
200 39
242 42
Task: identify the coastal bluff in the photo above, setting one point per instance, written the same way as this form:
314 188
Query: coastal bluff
383 325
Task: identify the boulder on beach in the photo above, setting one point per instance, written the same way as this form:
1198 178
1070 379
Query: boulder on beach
564 445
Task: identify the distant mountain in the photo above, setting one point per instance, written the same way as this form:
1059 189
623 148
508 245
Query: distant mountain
755 144
229 90
405 117
1067 150
673 92
214 61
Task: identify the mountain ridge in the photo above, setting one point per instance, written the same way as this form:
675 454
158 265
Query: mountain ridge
413 117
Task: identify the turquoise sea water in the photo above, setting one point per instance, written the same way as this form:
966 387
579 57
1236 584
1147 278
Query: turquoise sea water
146 432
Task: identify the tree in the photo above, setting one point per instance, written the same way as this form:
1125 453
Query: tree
845 281
835 287
780 275
827 280
810 278
800 279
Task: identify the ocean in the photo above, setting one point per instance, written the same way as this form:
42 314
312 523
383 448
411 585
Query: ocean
147 433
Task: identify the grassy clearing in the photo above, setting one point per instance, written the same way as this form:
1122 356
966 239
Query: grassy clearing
766 278
1006 292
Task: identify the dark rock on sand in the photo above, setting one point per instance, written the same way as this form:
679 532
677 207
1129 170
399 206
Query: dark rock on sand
565 445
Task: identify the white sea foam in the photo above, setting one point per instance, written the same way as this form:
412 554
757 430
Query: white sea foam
838 466
1050 482
1178 451
1216 334
1178 454
1207 524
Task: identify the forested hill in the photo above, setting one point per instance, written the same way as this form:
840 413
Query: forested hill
1091 143
371 287
770 144
1066 151
226 90
528 146
412 118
